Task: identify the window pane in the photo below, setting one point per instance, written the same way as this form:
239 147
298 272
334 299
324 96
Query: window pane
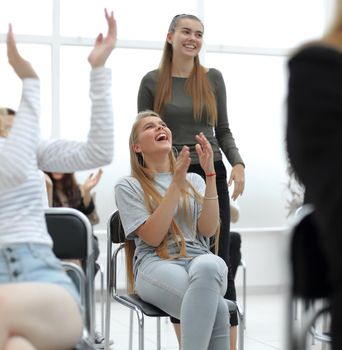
74 92
32 17
263 23
255 100
10 92
137 20
75 102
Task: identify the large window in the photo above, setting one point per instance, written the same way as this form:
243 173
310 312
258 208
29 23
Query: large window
248 40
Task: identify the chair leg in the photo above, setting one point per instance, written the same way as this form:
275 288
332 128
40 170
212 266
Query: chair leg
130 340
241 330
158 334
107 321
140 316
244 301
102 300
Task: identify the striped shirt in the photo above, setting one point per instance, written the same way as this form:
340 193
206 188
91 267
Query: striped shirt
22 153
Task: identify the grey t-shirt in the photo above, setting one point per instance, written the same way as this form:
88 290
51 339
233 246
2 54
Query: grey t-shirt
133 213
178 115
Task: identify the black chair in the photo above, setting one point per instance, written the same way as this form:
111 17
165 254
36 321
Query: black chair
116 235
309 282
71 233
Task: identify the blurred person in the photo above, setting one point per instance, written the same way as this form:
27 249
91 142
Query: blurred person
38 300
313 135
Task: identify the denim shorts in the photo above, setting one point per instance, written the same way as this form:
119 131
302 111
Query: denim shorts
27 262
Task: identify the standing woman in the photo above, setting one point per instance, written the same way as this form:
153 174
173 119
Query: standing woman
38 301
192 99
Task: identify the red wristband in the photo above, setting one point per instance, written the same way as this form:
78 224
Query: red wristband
210 174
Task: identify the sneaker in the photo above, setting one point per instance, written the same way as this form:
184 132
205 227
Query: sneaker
100 341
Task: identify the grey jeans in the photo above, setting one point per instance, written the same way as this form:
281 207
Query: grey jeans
191 290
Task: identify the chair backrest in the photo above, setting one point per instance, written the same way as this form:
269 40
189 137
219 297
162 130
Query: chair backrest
68 232
115 228
308 260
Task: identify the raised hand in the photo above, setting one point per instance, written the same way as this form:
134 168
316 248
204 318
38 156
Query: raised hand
205 154
92 181
104 46
22 67
182 166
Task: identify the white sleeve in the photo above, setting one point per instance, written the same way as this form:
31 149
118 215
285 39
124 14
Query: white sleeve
18 150
45 199
97 151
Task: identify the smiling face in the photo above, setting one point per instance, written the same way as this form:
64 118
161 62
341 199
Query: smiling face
153 136
187 37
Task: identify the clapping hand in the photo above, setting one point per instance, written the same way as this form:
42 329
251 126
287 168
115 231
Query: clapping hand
205 154
104 45
182 166
22 67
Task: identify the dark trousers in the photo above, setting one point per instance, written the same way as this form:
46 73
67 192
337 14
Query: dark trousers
235 251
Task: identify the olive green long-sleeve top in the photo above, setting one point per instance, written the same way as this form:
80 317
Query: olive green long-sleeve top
178 115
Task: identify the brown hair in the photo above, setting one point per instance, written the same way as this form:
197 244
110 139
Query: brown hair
152 199
69 187
197 84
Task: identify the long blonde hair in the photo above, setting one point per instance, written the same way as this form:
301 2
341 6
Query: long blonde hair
152 199
197 84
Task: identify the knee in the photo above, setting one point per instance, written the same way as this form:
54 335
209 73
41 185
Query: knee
223 312
208 266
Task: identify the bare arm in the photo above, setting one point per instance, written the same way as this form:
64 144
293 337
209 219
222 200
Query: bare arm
19 147
210 214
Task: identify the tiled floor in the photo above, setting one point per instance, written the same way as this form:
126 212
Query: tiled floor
265 329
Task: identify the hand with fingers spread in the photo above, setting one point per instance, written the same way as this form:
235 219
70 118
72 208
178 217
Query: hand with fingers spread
21 67
205 154
92 181
104 45
182 165
88 185
237 176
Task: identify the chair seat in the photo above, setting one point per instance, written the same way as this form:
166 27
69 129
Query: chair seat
147 309
153 311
